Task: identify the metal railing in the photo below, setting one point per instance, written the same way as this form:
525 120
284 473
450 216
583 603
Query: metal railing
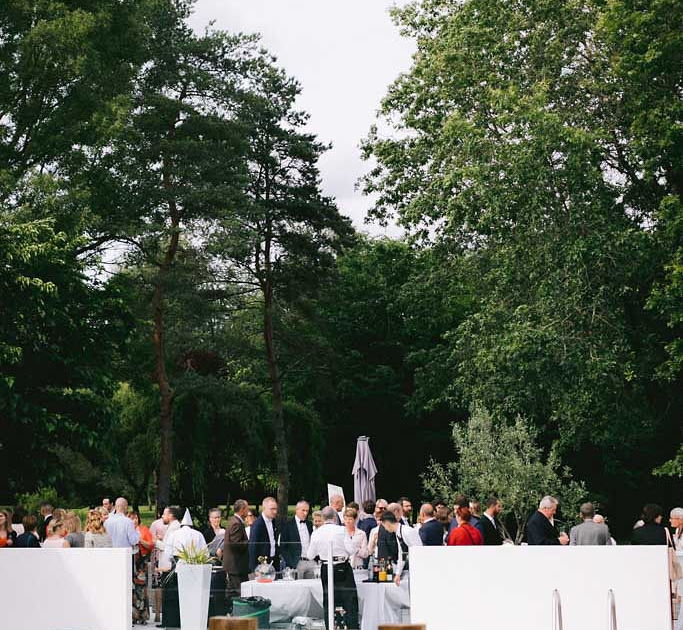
611 611
557 610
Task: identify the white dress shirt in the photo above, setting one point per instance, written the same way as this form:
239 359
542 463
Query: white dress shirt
166 552
410 536
304 536
122 531
343 545
184 537
271 535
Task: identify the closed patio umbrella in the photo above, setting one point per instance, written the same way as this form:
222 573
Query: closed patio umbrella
364 471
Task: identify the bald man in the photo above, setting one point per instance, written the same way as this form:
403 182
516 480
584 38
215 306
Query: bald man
120 527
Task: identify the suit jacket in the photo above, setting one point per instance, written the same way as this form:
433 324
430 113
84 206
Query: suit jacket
540 531
387 545
431 534
259 543
27 539
489 531
235 548
42 528
589 533
367 525
290 541
649 534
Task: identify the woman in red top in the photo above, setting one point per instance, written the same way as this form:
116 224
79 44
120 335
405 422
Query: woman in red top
464 533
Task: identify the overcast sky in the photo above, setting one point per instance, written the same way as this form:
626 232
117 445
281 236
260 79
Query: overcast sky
344 53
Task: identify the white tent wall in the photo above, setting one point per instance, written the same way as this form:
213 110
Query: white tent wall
512 587
66 589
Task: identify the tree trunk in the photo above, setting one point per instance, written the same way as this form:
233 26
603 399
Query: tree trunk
281 450
165 390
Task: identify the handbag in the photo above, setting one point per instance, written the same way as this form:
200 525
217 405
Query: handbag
675 569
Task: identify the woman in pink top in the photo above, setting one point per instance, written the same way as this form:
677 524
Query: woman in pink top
56 536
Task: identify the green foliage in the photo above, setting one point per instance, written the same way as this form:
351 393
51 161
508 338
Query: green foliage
672 468
494 457
31 501
538 144
192 555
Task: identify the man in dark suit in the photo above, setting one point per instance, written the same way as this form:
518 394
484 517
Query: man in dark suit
489 525
263 535
296 535
235 551
540 529
431 532
46 512
368 523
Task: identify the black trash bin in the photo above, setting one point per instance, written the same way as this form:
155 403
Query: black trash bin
218 605
255 607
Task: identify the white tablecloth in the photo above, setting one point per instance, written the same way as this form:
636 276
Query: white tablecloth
378 603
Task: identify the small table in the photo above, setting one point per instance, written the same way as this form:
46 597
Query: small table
377 602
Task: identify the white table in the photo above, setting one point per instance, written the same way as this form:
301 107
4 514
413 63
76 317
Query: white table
377 603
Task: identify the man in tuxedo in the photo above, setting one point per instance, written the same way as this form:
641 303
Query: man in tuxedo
431 532
407 507
540 528
46 512
296 535
263 535
235 551
489 525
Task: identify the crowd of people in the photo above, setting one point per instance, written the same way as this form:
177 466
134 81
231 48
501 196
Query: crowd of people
361 537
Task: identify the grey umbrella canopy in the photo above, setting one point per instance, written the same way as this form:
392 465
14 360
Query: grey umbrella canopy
364 471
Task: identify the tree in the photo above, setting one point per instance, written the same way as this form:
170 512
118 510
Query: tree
173 164
501 459
61 66
527 146
285 233
59 330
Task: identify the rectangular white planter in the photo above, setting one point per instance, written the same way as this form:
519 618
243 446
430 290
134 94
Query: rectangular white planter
194 584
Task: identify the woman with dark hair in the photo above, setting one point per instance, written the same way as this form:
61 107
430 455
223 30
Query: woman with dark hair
30 539
652 532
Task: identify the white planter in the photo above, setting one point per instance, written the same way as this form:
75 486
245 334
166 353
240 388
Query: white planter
194 584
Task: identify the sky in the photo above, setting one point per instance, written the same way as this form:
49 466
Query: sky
344 53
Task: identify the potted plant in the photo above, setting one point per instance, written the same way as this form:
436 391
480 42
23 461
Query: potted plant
194 584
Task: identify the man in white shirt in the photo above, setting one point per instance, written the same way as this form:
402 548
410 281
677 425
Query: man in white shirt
120 527
343 547
406 537
185 538
170 608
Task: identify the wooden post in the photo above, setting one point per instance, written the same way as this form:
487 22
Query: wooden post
399 626
233 623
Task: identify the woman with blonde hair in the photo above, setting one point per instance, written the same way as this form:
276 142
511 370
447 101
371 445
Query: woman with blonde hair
56 532
95 534
74 535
